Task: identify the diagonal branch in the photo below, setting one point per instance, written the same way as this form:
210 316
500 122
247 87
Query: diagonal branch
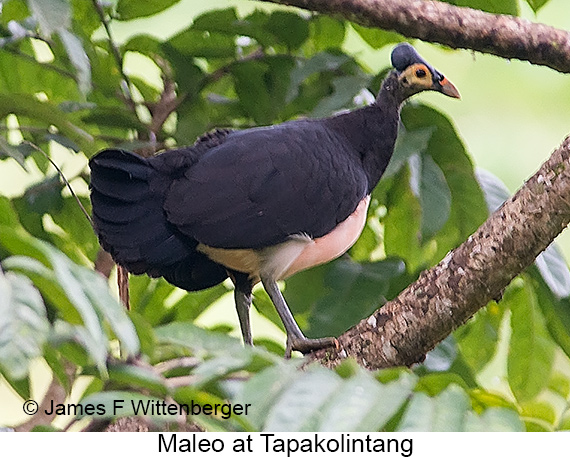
456 27
444 297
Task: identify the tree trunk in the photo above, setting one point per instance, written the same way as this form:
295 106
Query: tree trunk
444 297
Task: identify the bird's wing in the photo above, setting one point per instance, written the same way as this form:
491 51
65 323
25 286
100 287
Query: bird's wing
261 186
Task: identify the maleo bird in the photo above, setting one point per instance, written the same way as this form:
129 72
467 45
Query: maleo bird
256 205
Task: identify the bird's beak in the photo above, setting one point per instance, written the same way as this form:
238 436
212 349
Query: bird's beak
446 87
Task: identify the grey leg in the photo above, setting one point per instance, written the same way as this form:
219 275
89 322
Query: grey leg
243 303
295 338
242 297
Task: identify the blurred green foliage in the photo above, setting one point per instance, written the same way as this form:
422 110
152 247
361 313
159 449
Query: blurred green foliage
63 86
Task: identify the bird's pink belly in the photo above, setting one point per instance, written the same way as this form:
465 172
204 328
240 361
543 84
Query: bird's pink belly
333 244
296 254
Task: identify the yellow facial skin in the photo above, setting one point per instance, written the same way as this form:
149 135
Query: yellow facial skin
418 77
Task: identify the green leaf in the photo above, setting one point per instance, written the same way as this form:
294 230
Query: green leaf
144 44
80 345
24 326
218 20
221 366
113 404
195 338
120 118
428 184
145 333
52 15
196 43
468 209
531 353
290 28
78 59
66 275
40 198
326 32
9 150
493 188
363 404
78 230
299 406
89 293
227 22
341 293
536 4
554 271
408 144
445 413
286 399
555 311
321 62
442 356
8 216
57 365
26 261
97 292
540 410
491 6
83 14
14 10
478 339
483 399
262 86
193 304
263 390
86 292
20 75
21 386
435 383
494 419
564 422
48 114
133 376
377 38
402 223
222 355
150 303
133 9
345 89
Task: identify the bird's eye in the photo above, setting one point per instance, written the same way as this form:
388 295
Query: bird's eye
420 73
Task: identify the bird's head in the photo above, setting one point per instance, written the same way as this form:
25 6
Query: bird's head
416 75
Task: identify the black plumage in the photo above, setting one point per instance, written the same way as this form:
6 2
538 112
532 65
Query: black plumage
249 203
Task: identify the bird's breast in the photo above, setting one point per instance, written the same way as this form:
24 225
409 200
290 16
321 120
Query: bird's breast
298 253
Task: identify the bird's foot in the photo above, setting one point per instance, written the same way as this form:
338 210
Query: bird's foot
306 345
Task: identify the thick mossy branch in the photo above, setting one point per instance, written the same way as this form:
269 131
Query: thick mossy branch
456 27
444 297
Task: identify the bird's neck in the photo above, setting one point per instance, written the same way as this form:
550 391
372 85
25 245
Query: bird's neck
372 131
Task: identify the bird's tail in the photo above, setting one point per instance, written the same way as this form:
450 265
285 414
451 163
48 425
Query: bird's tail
127 194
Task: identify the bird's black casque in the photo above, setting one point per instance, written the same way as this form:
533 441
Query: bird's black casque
257 204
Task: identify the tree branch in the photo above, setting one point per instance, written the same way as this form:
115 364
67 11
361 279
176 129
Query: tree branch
456 27
116 55
447 295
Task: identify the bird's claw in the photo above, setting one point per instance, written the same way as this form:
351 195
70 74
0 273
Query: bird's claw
306 345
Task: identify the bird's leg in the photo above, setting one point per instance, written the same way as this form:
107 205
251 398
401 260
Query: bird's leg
295 338
242 297
243 303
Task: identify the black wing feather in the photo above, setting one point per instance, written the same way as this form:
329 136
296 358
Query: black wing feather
260 186
127 194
